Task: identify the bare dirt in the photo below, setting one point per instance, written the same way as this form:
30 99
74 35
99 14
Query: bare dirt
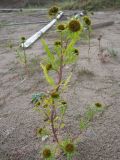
93 81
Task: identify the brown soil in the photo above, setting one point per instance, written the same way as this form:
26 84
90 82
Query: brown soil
93 81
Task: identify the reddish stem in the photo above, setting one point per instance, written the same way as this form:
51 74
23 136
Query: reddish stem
52 124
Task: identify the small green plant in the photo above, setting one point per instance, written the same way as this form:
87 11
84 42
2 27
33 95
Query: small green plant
24 53
22 57
90 114
21 53
51 103
87 24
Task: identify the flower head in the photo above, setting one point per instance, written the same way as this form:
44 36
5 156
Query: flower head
57 43
99 105
53 11
48 67
74 25
39 131
23 39
64 103
55 95
70 148
76 51
37 104
61 27
87 20
47 153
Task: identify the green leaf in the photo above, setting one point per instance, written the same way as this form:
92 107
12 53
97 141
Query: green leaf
83 124
47 50
67 81
37 96
62 125
70 47
63 109
90 113
49 79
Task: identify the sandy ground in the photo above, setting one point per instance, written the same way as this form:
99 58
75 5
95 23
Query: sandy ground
93 81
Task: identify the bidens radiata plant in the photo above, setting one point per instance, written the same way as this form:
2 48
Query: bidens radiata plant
51 103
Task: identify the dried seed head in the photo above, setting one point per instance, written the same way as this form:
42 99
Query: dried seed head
74 26
57 43
53 11
70 148
47 153
61 27
48 67
99 105
87 20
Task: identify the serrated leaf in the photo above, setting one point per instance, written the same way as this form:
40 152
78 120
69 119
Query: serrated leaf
49 79
67 81
63 109
37 96
47 50
70 47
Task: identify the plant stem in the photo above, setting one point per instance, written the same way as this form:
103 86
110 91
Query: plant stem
61 69
60 72
89 43
25 61
99 45
52 124
25 58
61 62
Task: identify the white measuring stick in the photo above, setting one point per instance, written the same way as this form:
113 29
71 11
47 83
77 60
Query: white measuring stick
37 35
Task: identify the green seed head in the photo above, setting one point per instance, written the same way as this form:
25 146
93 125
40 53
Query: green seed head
61 27
39 131
87 20
74 26
57 43
55 95
48 67
76 51
64 103
37 104
23 39
99 105
53 11
47 153
70 148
